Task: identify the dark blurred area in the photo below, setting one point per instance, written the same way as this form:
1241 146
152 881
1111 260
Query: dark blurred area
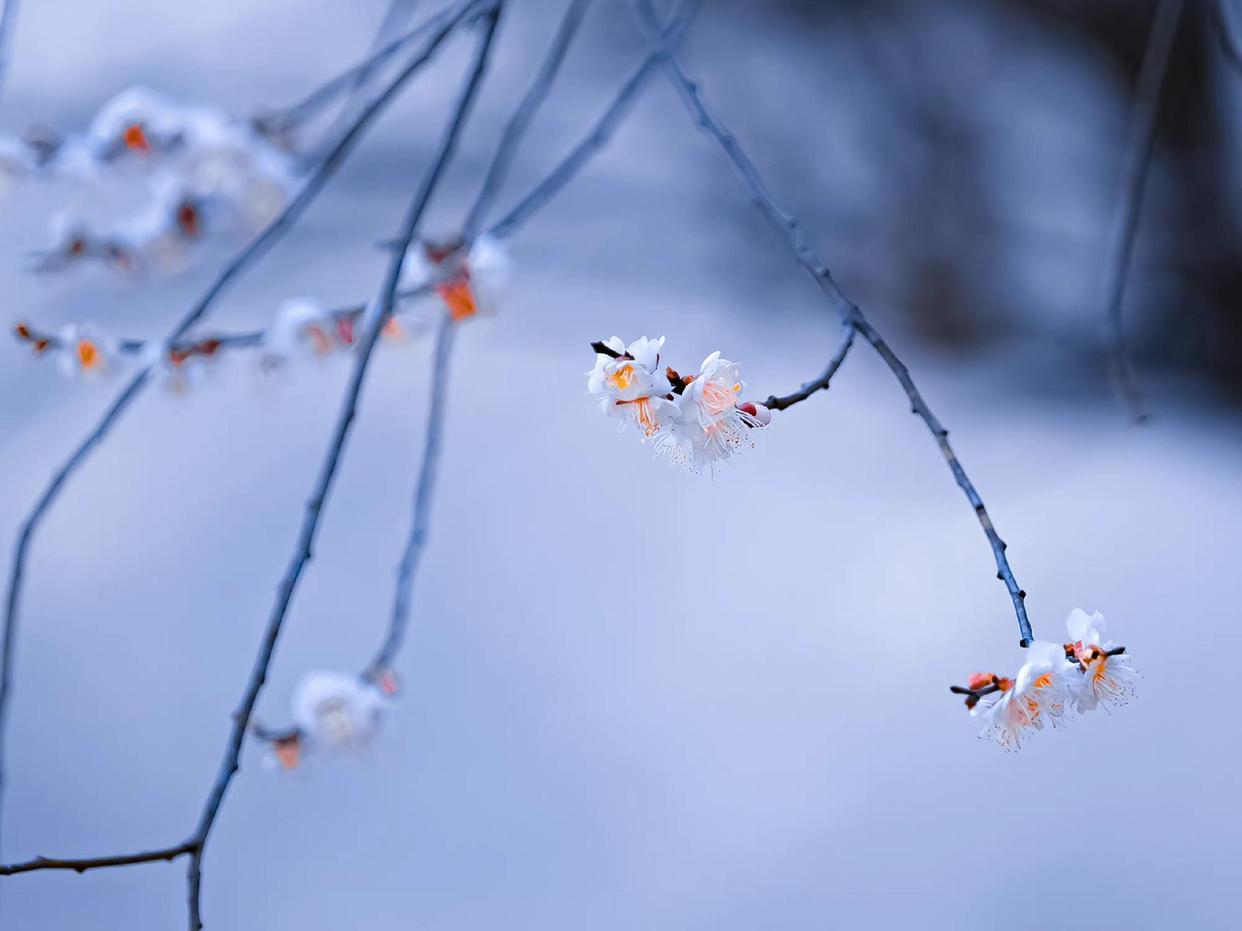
998 129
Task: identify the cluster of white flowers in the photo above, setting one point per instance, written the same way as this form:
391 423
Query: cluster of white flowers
1057 682
693 420
333 712
206 174
462 283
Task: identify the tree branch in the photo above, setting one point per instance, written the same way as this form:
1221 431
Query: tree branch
520 121
166 854
820 383
1134 170
424 491
850 314
306 536
598 137
256 248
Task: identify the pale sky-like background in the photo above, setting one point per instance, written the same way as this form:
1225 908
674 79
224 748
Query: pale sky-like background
633 698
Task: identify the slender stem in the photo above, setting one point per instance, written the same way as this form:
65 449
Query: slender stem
598 137
850 314
820 383
423 494
94 863
1134 170
522 116
257 247
297 114
303 546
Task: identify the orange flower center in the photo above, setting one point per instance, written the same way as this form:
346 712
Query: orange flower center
88 354
135 138
622 378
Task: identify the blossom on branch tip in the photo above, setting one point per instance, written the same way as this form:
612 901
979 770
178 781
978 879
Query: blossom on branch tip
337 711
628 384
1056 682
1106 677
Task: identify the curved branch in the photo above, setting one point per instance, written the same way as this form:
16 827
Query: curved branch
1134 170
820 383
850 314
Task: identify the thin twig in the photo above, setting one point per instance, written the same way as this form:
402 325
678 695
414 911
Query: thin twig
598 137
134 387
291 117
522 116
94 863
423 494
1134 170
820 383
314 507
850 314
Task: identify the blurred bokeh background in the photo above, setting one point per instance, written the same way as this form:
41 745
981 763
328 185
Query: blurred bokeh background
635 698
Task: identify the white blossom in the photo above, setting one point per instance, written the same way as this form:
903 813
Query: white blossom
337 711
1106 677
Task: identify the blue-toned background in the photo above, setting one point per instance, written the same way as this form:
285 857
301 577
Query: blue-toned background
635 698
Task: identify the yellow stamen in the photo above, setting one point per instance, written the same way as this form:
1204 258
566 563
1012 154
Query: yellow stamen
88 354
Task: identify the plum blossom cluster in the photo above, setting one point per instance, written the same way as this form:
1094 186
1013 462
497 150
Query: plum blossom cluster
467 282
205 174
694 421
332 712
1057 682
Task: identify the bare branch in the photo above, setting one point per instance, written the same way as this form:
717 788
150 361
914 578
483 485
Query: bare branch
520 121
598 137
166 854
850 314
323 484
820 383
1134 170
257 247
424 491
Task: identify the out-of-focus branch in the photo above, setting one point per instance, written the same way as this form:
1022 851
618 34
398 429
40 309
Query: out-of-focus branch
603 129
291 117
522 116
95 863
1134 170
243 260
850 314
336 446
423 494
8 16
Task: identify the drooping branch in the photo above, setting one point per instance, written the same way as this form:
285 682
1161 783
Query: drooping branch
336 446
603 129
522 116
291 117
1134 171
133 388
850 314
423 495
1129 202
